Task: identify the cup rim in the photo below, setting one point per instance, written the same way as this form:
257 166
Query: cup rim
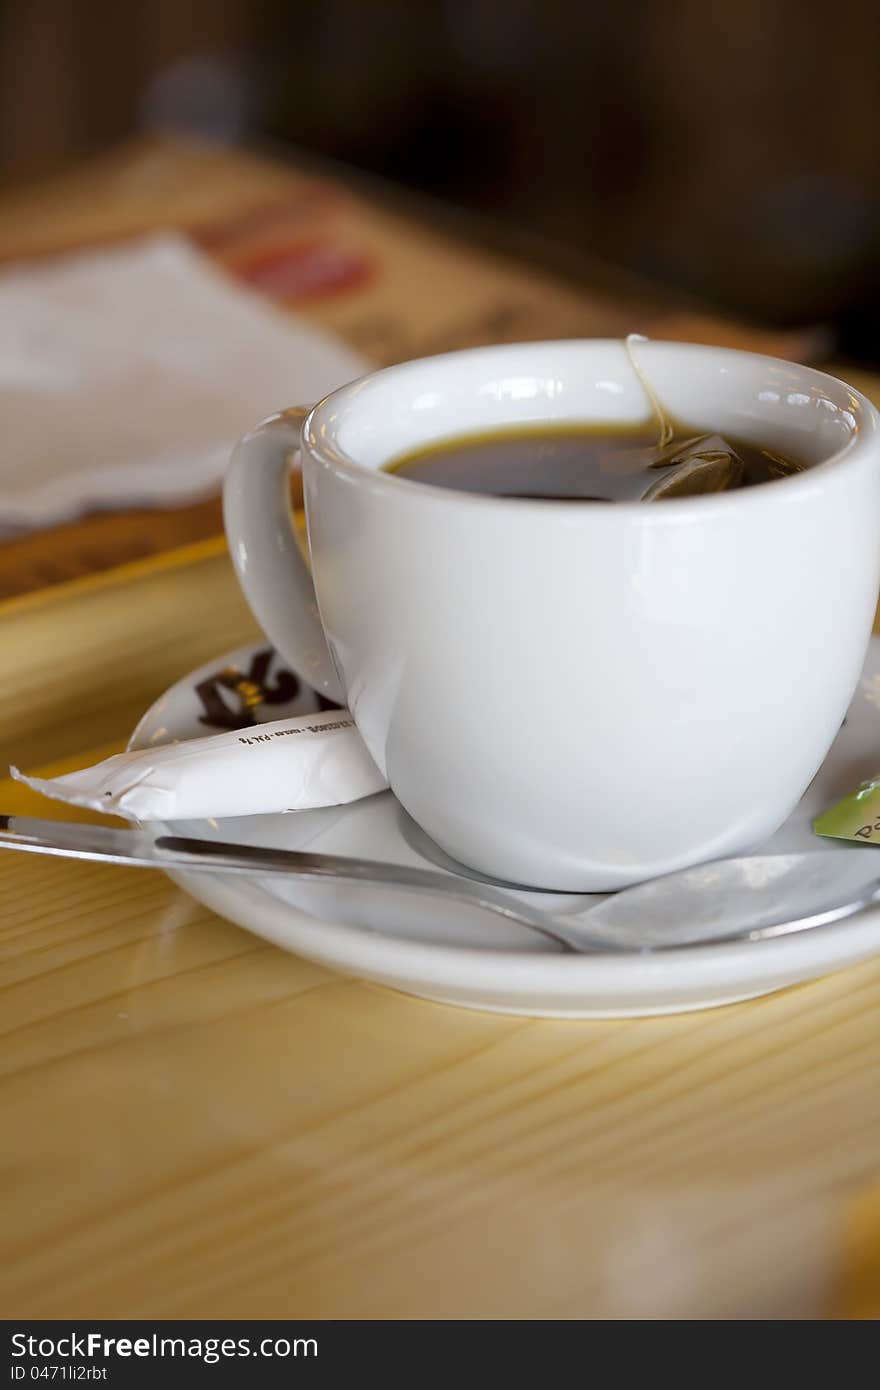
323 448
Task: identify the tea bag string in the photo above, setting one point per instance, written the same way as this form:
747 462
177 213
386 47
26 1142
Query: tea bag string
663 421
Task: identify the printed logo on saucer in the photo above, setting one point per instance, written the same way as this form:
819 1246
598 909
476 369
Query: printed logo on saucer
231 698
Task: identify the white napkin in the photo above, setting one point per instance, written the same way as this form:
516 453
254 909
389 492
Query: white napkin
126 376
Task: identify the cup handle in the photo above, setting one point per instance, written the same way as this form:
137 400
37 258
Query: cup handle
267 559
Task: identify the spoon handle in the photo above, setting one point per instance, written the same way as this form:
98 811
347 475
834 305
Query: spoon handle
107 844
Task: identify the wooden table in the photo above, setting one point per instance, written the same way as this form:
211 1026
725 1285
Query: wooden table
196 1124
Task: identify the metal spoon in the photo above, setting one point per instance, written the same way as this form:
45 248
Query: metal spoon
729 900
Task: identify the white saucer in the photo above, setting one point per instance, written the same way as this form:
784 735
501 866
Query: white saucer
424 950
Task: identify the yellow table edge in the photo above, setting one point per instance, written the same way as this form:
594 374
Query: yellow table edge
177 558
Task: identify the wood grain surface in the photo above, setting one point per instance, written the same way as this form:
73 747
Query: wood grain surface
196 1124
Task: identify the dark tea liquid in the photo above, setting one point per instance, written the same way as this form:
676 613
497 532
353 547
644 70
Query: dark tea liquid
602 463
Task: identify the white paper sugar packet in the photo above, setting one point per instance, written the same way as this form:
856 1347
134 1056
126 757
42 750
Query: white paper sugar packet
288 765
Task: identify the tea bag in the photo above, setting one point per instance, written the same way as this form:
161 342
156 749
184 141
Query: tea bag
702 465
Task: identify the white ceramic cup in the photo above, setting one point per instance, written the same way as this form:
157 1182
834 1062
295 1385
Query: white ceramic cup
565 694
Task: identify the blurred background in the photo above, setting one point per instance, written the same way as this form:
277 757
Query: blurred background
729 151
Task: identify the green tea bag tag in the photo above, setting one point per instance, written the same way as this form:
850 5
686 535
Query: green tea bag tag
856 817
